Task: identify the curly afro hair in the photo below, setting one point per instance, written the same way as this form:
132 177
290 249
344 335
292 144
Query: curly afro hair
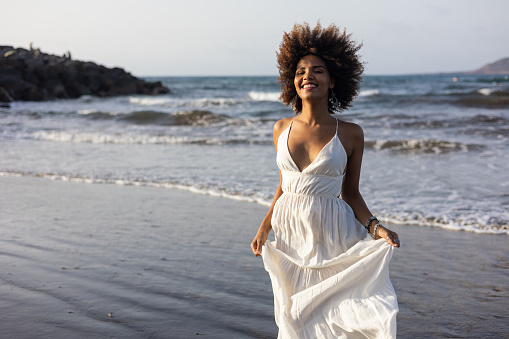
338 52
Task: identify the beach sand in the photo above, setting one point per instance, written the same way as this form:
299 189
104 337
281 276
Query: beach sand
100 260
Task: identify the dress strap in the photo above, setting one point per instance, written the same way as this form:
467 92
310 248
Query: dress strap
337 123
290 127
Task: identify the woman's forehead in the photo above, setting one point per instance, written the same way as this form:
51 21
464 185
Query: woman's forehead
311 60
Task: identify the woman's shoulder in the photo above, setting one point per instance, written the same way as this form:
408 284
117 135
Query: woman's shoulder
281 125
350 129
351 136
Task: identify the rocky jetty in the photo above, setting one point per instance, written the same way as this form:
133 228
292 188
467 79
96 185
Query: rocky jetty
32 75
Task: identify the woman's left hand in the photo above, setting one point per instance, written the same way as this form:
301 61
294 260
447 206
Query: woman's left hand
392 237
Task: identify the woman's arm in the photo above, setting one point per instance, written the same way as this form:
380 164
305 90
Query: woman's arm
266 226
350 190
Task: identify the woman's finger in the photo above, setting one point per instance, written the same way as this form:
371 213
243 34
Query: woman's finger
255 246
258 248
393 239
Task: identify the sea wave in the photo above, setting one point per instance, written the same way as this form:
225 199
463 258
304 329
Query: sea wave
179 102
143 117
469 92
264 96
213 102
490 225
493 102
436 146
486 91
87 111
489 97
140 139
181 118
151 101
369 92
486 224
480 120
486 97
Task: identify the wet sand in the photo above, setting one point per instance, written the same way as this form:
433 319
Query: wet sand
97 260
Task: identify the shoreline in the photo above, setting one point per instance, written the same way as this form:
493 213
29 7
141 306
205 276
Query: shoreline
172 263
248 199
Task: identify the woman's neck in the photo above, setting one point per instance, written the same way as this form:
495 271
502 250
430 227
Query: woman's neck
314 113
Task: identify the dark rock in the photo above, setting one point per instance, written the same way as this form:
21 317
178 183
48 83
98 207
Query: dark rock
34 76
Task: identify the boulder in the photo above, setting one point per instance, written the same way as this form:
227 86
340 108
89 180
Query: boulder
31 75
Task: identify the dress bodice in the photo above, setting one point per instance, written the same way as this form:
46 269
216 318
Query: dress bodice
323 176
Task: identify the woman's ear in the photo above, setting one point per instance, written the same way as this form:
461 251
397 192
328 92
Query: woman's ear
332 84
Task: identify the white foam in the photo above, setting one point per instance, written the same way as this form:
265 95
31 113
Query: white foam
486 91
150 101
129 139
449 225
173 102
207 102
369 92
87 111
423 145
95 138
264 96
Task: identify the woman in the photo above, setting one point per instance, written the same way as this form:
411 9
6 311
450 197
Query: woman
329 279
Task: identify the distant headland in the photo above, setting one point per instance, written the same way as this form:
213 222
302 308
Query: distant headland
498 67
32 75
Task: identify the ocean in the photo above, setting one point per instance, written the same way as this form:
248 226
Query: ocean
436 147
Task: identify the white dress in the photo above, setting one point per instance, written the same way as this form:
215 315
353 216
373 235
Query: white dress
329 279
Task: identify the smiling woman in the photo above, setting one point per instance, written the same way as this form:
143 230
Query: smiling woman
338 54
328 279
312 80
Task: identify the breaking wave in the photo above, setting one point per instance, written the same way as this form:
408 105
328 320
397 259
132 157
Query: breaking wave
181 118
490 225
264 96
148 117
151 101
140 139
179 102
412 146
479 120
369 92
486 97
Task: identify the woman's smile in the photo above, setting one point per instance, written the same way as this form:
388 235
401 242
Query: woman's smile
312 80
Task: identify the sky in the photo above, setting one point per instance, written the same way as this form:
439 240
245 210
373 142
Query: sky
240 37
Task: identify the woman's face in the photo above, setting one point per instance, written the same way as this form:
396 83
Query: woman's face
312 80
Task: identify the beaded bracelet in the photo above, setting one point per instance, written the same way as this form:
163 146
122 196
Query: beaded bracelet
368 223
374 230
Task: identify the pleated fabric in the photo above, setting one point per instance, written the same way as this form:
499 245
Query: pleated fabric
329 279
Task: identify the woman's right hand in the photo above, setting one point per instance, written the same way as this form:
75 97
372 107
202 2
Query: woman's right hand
265 227
258 241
